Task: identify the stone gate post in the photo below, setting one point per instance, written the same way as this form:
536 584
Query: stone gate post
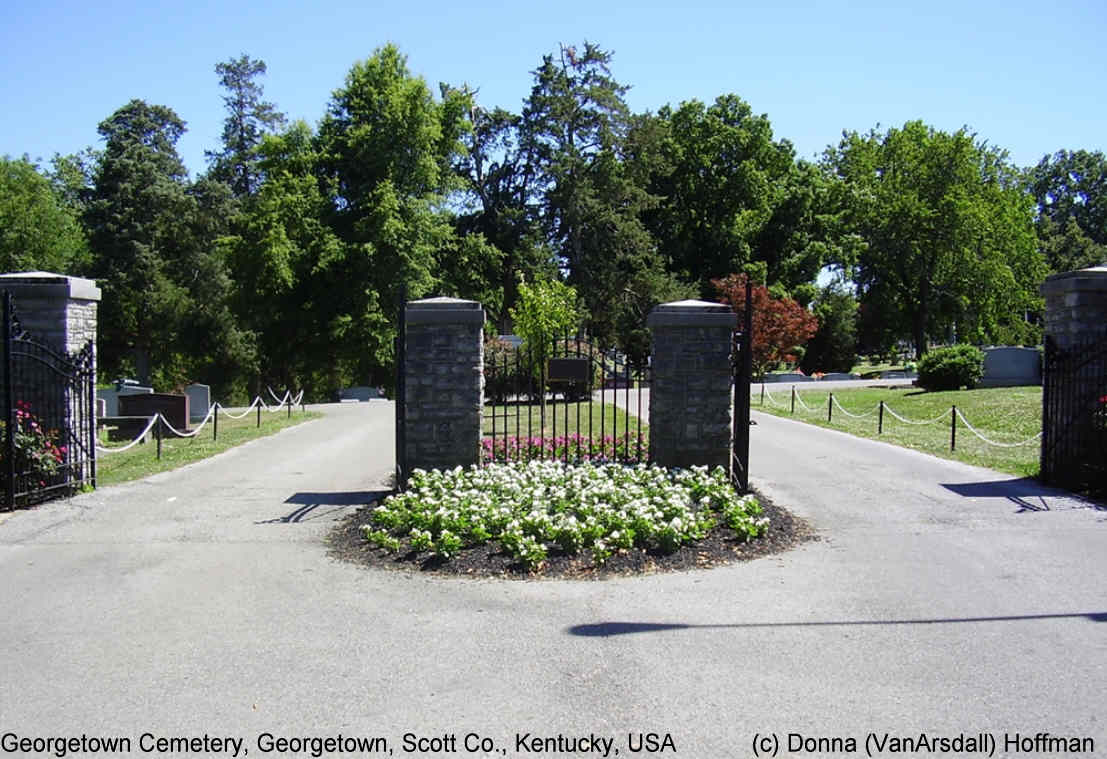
59 312
444 367
690 388
1075 321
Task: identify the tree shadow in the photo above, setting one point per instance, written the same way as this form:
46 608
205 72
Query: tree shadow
1026 492
608 629
310 503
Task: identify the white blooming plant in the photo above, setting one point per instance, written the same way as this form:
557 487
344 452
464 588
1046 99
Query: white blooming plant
532 507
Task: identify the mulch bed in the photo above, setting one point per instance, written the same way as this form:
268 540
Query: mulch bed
721 546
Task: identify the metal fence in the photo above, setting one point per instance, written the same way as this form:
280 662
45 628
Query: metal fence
49 430
1074 415
568 400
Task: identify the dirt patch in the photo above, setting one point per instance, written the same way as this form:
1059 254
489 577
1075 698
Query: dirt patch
721 546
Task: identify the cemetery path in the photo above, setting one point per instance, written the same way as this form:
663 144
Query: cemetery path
940 598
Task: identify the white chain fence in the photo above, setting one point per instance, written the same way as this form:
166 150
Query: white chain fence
941 417
215 408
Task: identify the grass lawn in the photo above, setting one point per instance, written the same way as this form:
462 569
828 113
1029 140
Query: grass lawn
1002 414
526 420
141 460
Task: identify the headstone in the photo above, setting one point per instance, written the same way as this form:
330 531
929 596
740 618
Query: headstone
199 401
359 393
788 377
111 396
1006 367
173 407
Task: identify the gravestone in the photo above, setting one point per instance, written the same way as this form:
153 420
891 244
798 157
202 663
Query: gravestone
1006 367
111 396
199 401
788 377
173 407
359 393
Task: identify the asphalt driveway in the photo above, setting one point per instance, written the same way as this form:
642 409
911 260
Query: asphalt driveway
202 602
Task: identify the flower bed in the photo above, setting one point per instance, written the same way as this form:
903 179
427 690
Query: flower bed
533 508
570 447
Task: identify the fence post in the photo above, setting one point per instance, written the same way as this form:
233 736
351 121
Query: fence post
762 393
259 412
793 399
157 434
829 407
880 420
288 400
953 429
9 421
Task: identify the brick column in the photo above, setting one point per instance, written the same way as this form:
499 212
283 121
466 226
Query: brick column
444 368
690 387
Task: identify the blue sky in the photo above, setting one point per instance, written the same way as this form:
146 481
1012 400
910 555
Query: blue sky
1027 77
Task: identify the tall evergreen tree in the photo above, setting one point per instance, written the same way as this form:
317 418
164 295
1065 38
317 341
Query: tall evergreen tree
575 122
249 118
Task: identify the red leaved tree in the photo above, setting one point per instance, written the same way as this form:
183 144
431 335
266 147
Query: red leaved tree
779 324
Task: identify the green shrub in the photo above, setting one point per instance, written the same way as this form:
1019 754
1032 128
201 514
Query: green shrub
951 368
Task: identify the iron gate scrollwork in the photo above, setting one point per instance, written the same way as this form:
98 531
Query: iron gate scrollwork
49 437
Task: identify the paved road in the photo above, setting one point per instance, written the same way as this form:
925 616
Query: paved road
940 598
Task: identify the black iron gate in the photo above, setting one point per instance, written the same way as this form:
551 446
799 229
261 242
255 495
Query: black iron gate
49 435
568 400
401 390
742 358
1074 415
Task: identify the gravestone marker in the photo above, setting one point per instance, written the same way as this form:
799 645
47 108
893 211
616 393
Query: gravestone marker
173 407
111 396
199 401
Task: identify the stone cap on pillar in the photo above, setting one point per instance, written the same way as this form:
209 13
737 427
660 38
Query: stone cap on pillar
50 284
1093 278
444 311
692 313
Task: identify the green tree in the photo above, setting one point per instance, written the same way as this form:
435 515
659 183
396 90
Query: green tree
500 190
249 118
731 195
833 348
1070 188
946 231
281 256
164 313
387 153
575 123
38 231
545 310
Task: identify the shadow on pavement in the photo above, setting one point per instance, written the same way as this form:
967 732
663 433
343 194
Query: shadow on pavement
1026 493
607 629
310 502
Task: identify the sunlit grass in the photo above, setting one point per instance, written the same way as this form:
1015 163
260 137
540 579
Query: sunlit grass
1002 414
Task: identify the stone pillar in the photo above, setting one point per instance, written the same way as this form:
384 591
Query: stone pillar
444 368
690 388
59 312
1074 443
1076 305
